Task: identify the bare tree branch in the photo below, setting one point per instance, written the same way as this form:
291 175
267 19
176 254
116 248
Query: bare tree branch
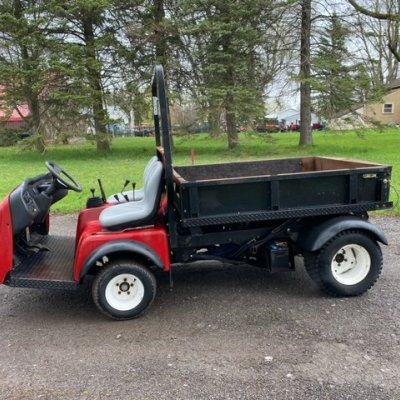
375 14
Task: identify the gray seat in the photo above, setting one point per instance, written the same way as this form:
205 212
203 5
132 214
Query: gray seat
139 193
134 213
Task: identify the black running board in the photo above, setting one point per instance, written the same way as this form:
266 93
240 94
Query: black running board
52 269
41 284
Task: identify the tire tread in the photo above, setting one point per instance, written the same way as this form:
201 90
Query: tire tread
109 268
312 260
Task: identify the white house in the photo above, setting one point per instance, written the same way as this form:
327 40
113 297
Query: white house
292 116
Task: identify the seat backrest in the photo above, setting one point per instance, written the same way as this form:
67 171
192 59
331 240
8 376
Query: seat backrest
135 213
129 195
151 162
152 185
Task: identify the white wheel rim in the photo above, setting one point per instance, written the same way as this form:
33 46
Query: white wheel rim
124 292
351 264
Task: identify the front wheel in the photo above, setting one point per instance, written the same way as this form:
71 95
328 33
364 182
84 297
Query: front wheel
124 290
347 265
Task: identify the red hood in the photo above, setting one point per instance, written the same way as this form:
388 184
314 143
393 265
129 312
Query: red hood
6 234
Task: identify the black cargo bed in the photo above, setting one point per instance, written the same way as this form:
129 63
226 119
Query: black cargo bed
275 189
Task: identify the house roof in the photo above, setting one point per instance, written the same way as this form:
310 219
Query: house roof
395 84
7 114
287 113
350 110
16 115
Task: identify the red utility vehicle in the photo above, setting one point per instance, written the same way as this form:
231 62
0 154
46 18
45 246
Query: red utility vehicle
262 213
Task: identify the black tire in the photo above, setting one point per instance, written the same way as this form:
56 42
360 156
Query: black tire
321 265
124 290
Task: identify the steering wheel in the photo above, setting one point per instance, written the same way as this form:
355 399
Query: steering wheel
62 177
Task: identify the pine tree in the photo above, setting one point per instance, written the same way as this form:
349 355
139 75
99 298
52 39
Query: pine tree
88 32
337 83
229 40
60 56
25 72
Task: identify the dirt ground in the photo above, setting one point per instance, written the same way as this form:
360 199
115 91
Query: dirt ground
223 332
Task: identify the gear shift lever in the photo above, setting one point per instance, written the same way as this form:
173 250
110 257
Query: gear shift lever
122 190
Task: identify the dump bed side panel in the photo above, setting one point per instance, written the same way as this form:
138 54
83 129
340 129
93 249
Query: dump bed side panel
280 195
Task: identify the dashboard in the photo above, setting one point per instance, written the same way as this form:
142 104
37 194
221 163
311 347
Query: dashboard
30 202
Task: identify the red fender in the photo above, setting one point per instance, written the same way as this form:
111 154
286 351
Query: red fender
154 238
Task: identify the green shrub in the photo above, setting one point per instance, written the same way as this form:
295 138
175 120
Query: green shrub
9 137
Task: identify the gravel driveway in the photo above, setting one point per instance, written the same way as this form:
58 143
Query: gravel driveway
224 332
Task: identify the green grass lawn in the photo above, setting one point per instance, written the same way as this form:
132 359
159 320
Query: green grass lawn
129 156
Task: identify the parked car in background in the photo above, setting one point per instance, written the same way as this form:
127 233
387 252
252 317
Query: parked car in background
268 125
143 131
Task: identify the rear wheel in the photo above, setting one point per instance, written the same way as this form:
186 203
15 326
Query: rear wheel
347 265
124 290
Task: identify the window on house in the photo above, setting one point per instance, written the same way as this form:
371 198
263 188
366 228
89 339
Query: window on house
388 108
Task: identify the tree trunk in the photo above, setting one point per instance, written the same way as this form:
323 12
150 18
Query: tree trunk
94 75
214 116
306 138
230 106
230 118
233 138
99 117
34 122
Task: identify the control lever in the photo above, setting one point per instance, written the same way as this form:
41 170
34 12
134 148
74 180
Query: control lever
103 195
94 201
122 190
133 190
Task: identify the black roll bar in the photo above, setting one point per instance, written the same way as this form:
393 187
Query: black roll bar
163 140
161 115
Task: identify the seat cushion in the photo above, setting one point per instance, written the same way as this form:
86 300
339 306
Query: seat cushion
136 213
123 213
